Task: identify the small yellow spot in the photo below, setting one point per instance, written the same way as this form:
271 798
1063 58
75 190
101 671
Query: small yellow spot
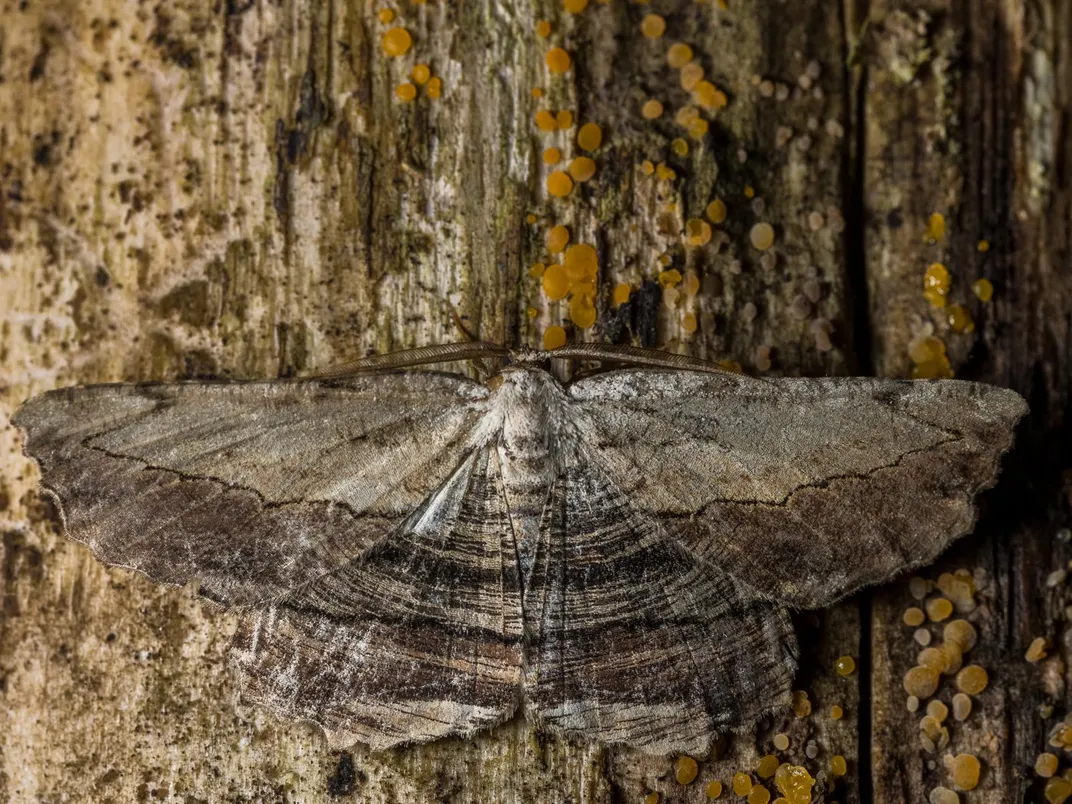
650 798
716 211
781 741
972 679
965 771
692 284
759 795
961 633
536 270
838 765
749 191
709 96
555 283
559 184
1046 765
652 109
962 706
669 279
698 128
543 29
801 704
557 238
537 92
762 236
836 712
767 766
545 121
926 350
678 55
794 782
532 312
939 609
530 218
386 15
982 246
552 156
983 289
921 681
686 770
406 92
935 228
845 666
553 338
960 319
679 147
936 281
686 115
691 74
714 789
1036 651
590 136
1057 790
420 74
689 323
647 167
697 232
575 6
434 87
564 119
653 26
665 173
582 310
558 60
582 168
581 263
397 41
914 617
622 293
742 784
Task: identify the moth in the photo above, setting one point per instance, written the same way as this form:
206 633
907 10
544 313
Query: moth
412 555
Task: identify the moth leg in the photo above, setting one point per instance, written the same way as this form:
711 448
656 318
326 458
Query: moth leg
437 353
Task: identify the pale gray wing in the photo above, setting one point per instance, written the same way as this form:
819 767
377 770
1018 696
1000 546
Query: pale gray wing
805 489
417 639
633 639
250 488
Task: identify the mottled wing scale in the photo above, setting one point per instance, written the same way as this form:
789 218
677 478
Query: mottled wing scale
803 489
632 639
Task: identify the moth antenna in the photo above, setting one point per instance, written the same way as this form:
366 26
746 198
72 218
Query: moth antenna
640 356
422 355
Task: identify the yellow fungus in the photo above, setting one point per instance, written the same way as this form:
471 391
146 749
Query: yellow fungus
716 211
742 784
921 681
543 29
838 765
647 167
762 236
794 782
936 281
670 278
692 284
536 270
983 289
532 312
554 337
558 60
653 26
962 706
386 15
589 136
678 55
836 712
555 282
982 246
582 310
581 262
709 96
938 710
749 191
689 323
575 6
650 798
622 293
557 238
397 41
960 319
530 218
552 156
935 227
537 92
960 632
1046 765
434 87
697 232
545 121
691 74
759 795
965 771
972 679
664 172
406 92
582 168
686 769
559 184
932 658
679 147
781 741
685 116
767 766
801 704
651 109
564 119
1036 651
914 617
1057 790
952 656
665 259
845 666
714 789
698 128
939 609
926 350
420 74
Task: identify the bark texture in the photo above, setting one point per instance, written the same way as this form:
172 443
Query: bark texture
232 189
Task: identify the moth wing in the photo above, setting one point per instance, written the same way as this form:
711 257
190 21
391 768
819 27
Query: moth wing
633 639
804 489
250 488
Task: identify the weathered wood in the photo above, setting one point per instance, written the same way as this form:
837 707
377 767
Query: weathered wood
232 189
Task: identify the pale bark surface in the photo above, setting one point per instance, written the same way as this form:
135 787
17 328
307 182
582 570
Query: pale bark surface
231 189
